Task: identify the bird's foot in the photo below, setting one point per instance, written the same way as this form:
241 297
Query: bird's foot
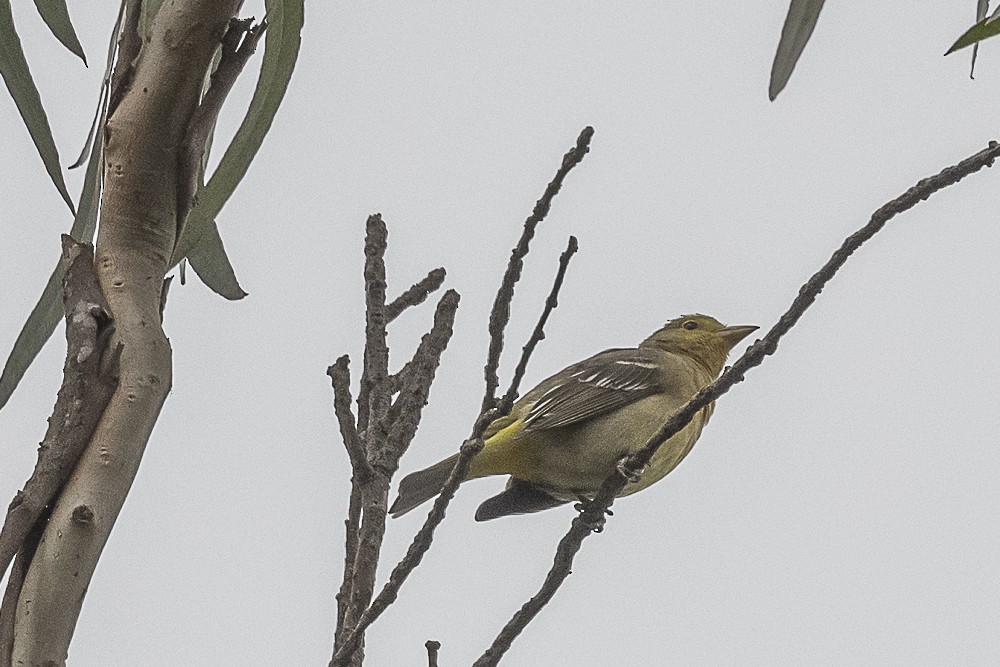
587 514
628 471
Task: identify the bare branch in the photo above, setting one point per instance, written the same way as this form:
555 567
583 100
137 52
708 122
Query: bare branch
500 314
593 513
538 335
404 415
89 380
414 554
561 568
352 526
411 375
432 652
340 374
373 398
416 295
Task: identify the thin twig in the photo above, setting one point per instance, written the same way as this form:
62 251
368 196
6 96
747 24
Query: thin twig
340 375
538 335
432 652
594 512
416 295
351 528
500 314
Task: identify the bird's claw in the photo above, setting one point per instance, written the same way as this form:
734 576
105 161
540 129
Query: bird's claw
630 473
596 524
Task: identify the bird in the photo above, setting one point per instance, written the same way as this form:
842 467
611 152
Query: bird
563 438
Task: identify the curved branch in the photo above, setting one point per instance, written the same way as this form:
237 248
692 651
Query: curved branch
592 516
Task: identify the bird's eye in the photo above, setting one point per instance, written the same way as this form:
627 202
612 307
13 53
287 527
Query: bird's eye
690 324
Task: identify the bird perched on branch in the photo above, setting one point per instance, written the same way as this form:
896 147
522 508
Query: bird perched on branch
565 436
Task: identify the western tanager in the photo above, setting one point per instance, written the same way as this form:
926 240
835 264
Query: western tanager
565 436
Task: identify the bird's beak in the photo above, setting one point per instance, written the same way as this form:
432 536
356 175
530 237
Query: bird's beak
734 334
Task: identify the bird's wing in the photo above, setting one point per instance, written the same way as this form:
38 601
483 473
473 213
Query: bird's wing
605 382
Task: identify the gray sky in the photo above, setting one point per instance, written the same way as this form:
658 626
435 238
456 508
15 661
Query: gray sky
839 509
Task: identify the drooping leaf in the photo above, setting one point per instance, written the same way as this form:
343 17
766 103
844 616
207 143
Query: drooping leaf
56 16
17 77
988 27
48 311
209 260
281 48
105 88
798 28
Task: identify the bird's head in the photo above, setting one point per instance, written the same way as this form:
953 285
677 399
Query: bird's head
700 337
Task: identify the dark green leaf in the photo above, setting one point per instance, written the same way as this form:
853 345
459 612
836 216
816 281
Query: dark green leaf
17 77
798 28
56 16
984 29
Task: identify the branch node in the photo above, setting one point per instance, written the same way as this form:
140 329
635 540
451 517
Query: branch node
83 515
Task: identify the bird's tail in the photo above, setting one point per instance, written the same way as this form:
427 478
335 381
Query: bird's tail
419 487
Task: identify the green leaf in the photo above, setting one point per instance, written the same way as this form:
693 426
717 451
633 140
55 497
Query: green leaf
209 260
49 310
798 28
105 89
988 27
17 77
281 49
56 16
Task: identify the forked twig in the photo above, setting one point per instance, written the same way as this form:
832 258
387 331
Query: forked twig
538 335
500 314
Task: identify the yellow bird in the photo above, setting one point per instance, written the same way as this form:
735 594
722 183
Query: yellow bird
564 437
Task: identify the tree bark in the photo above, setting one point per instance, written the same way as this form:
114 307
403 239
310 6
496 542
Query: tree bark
144 137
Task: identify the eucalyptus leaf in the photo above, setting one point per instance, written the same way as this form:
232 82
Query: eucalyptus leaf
798 28
56 16
281 48
17 77
210 262
988 27
48 311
